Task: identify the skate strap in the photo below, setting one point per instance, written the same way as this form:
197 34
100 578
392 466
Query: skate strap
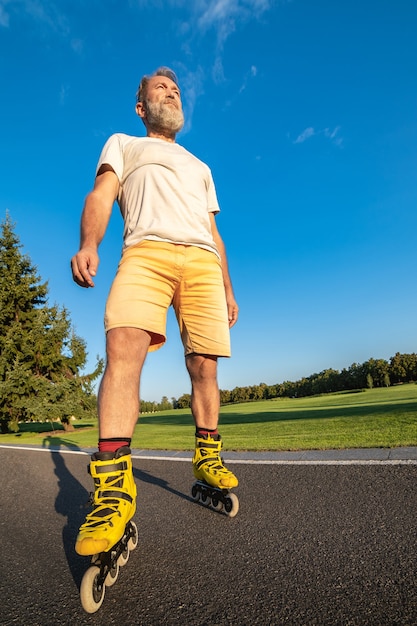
115 495
108 468
209 459
204 444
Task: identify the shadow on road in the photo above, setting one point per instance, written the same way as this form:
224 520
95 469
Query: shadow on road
70 503
147 477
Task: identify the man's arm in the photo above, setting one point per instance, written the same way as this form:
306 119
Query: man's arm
94 220
232 307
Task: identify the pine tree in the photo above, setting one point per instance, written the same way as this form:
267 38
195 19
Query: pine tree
41 357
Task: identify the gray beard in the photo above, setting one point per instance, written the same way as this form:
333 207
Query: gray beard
162 117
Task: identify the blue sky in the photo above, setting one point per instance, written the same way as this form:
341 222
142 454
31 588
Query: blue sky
306 112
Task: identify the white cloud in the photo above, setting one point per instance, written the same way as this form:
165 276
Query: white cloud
41 11
4 16
191 88
332 135
63 93
306 134
46 14
217 71
250 74
224 15
77 45
221 16
204 16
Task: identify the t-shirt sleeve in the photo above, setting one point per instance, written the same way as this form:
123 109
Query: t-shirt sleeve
212 202
112 154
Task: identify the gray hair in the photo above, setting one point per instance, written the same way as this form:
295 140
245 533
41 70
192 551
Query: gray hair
161 71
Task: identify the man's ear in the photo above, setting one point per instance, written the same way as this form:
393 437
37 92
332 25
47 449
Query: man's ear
140 109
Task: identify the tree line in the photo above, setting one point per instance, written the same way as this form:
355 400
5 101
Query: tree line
401 368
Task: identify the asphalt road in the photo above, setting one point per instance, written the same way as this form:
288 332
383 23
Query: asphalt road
311 544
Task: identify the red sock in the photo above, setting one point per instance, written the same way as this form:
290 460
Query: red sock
111 445
203 432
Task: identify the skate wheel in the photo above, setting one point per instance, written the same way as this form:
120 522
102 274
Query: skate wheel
124 557
133 541
195 493
91 596
205 498
216 504
112 576
231 505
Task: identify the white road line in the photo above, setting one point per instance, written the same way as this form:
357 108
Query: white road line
234 461
43 449
327 462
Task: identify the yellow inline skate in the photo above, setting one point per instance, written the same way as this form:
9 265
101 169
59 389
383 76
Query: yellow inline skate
108 533
213 479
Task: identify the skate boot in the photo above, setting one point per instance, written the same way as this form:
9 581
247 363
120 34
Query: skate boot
108 533
114 502
213 478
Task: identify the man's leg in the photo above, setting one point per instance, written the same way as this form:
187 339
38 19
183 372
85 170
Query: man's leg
205 405
114 501
205 395
118 400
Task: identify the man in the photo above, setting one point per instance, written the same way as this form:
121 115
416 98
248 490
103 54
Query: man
172 254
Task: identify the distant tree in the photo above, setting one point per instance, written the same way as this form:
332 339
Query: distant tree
397 368
255 392
355 377
165 404
41 357
239 394
378 368
330 381
148 406
264 388
288 389
274 391
403 367
224 396
184 401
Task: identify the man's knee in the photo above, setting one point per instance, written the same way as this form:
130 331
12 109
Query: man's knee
126 344
201 367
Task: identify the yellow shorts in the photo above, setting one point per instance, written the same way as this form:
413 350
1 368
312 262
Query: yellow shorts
151 276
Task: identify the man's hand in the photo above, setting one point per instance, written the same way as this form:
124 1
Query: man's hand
232 310
84 265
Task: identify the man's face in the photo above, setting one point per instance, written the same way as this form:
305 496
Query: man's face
162 108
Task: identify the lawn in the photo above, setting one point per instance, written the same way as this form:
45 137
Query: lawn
382 418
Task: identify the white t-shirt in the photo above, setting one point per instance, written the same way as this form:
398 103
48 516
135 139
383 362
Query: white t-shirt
166 193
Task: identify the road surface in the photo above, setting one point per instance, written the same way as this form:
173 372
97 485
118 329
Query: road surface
325 544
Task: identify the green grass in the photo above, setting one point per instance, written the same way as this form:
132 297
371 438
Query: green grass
373 418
